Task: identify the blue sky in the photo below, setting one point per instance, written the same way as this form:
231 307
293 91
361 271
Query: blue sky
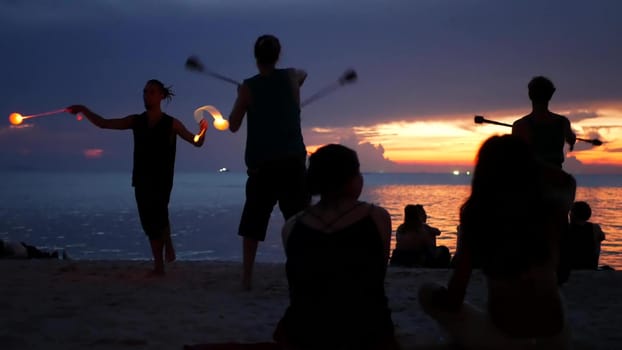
417 61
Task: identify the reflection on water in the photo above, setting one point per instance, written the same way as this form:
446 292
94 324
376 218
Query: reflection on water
67 211
442 203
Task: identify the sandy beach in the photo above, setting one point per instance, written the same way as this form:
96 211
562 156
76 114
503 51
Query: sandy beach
113 305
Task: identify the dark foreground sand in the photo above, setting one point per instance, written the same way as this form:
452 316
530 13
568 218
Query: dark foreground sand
113 305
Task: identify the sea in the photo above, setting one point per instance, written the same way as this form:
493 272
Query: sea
93 215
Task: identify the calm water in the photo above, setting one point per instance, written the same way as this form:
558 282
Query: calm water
93 215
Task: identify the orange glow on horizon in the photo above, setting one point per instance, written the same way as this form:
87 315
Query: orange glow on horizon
454 140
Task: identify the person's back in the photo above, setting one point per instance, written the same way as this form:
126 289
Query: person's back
545 132
584 238
273 118
414 246
336 283
416 242
337 252
546 135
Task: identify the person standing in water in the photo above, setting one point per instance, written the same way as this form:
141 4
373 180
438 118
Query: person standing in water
542 129
155 135
275 153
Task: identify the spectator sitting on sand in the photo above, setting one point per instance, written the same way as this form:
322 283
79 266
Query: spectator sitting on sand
21 250
337 252
416 241
584 238
512 223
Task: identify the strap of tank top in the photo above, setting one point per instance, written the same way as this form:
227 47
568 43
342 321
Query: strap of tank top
328 225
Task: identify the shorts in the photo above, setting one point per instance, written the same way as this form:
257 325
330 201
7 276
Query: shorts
153 210
282 181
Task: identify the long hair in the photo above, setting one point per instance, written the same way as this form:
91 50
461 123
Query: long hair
504 219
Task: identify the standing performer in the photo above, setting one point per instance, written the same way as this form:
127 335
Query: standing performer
155 135
542 129
275 151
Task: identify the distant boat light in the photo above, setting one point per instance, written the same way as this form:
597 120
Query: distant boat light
456 172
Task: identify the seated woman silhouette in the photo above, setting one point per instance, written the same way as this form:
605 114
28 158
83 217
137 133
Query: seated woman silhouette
416 241
512 225
337 252
584 238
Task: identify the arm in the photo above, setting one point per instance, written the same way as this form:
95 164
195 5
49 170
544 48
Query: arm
383 223
599 233
519 129
239 108
456 288
181 130
298 76
287 229
117 124
569 135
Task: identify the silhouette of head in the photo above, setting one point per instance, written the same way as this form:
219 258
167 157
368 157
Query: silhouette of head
267 50
580 211
541 90
332 171
413 215
154 92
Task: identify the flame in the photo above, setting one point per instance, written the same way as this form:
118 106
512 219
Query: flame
197 137
16 118
219 122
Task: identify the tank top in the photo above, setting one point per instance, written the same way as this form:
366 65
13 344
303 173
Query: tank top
154 152
273 119
336 286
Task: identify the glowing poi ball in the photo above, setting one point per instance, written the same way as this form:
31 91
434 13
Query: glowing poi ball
219 122
16 118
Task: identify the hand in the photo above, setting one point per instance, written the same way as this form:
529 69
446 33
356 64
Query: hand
75 109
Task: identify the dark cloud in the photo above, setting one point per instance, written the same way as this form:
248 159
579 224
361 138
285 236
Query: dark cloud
371 156
416 60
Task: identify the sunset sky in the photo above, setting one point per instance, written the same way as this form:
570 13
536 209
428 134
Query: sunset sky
425 67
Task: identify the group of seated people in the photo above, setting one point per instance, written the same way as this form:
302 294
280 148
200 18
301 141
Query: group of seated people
416 242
